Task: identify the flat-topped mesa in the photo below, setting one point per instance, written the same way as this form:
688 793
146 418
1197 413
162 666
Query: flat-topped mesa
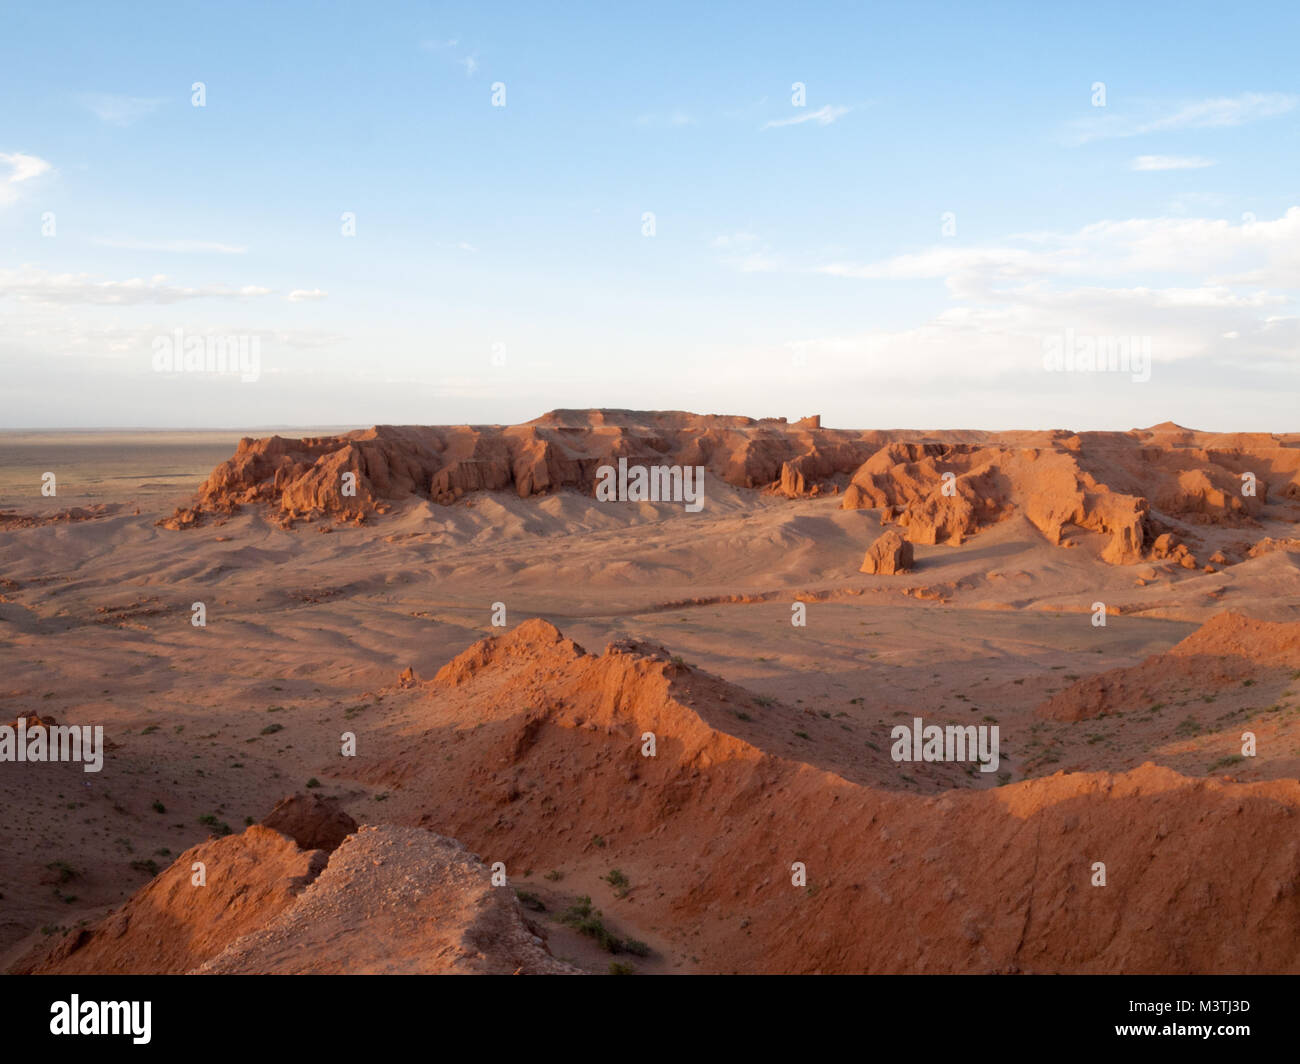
308 478
937 486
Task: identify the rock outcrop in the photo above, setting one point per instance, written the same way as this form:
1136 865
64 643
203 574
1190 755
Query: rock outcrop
1124 488
172 924
889 554
396 901
387 900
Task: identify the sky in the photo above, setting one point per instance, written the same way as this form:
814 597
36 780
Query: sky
892 215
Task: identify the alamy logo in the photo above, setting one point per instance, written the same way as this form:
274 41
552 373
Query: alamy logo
102 1017
54 742
1068 353
683 484
178 353
955 742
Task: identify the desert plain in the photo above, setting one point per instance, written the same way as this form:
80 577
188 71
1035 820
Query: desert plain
467 716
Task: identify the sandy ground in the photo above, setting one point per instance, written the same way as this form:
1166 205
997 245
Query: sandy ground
307 631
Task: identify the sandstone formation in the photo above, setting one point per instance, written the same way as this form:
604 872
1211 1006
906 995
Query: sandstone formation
170 925
389 900
1124 488
889 554
396 901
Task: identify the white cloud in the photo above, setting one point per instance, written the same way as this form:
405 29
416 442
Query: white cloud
1215 113
999 262
303 295
1237 309
119 110
1171 162
1253 252
1226 111
33 285
823 116
22 168
470 64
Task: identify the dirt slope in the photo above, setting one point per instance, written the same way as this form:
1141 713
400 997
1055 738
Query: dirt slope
1228 650
171 925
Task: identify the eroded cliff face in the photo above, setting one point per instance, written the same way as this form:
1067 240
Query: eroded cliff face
939 487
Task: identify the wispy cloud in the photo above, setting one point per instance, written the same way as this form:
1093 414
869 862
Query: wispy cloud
185 247
448 45
21 168
1259 252
304 295
1213 113
1171 162
34 285
823 116
1235 307
118 110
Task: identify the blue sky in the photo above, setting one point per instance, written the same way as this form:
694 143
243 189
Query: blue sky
799 261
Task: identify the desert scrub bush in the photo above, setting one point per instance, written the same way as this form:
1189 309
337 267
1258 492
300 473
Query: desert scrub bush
586 921
218 827
63 870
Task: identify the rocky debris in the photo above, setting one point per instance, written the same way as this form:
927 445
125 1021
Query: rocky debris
889 554
407 678
1268 545
312 821
396 900
12 519
1169 545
